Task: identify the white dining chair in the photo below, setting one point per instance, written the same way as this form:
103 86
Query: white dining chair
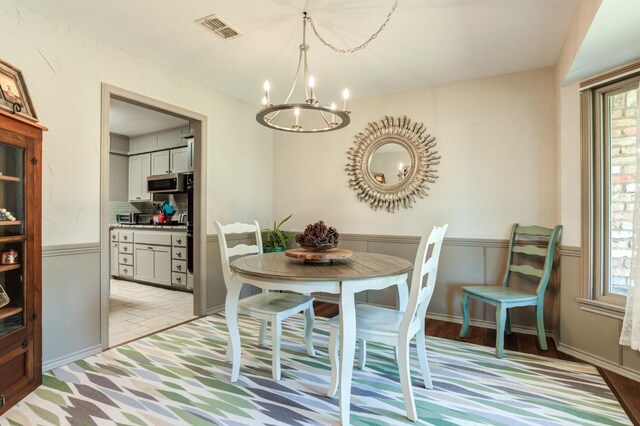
272 307
397 328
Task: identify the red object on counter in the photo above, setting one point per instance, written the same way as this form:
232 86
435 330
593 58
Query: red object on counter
162 218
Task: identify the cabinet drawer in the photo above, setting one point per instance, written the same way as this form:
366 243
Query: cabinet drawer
126 271
126 248
179 253
126 259
153 238
16 369
179 240
179 279
114 235
179 265
126 236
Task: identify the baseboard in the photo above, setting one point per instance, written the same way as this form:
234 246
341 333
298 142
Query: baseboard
490 325
600 362
458 320
63 360
215 310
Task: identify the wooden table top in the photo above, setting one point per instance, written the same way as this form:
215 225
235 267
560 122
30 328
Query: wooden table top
358 266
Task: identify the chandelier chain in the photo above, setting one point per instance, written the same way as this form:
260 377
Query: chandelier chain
363 45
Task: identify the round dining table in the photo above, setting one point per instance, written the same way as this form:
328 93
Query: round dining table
346 277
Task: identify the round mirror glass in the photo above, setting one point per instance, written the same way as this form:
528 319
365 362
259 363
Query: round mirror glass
390 164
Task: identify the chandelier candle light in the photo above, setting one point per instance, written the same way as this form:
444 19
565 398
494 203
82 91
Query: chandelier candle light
326 118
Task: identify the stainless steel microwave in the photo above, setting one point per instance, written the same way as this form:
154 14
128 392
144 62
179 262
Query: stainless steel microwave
174 182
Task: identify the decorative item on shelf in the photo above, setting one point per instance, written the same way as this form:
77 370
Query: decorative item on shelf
6 215
4 297
9 257
310 116
14 96
275 239
379 147
318 237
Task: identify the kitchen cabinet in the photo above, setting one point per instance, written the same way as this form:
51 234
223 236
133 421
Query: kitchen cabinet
150 256
20 318
152 263
114 258
179 161
170 138
139 170
121 253
170 161
160 163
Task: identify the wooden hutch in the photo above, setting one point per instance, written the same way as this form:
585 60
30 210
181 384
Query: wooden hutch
20 257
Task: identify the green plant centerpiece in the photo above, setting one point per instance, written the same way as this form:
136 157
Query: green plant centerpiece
275 239
318 237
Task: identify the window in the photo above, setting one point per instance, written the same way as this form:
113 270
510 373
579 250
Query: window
610 120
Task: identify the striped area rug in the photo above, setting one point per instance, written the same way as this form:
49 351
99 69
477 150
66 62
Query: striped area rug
179 376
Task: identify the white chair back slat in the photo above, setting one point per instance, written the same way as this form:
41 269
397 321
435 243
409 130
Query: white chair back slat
242 249
421 290
238 250
239 228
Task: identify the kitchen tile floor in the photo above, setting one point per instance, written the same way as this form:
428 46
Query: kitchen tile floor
136 310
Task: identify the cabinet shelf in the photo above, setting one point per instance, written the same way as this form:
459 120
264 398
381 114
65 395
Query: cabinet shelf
8 311
12 239
11 267
10 178
10 222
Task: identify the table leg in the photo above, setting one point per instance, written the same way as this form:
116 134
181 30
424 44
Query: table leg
347 348
231 309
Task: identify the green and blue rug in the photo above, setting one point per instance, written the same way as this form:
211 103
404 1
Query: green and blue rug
180 376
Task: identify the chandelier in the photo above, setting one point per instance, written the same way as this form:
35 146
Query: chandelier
309 116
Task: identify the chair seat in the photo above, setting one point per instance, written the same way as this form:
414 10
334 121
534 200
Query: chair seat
374 319
500 293
273 303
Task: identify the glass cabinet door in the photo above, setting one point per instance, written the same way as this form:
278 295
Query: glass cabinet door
12 238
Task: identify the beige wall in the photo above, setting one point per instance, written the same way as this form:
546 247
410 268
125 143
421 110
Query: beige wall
64 70
497 139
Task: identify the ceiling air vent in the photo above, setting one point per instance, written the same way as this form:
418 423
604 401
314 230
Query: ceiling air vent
218 26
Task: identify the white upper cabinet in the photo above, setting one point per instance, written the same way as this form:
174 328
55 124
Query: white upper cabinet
170 161
179 160
160 163
139 170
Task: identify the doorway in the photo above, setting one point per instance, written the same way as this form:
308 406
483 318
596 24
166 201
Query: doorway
152 208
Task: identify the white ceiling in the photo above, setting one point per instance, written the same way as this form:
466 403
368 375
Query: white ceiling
131 120
426 42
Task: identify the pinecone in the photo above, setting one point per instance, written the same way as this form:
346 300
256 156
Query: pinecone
318 235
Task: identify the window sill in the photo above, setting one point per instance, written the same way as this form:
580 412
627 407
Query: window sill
602 308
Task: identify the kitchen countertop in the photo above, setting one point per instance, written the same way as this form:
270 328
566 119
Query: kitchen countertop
149 227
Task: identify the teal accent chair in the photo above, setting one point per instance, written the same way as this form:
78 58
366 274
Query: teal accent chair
503 297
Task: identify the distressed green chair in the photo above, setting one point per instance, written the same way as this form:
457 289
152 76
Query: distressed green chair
503 297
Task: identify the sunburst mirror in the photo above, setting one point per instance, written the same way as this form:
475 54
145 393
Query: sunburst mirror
391 162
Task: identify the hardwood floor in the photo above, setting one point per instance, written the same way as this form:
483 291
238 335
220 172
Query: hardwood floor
626 390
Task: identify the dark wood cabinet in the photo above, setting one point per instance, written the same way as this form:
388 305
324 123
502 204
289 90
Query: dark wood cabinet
20 258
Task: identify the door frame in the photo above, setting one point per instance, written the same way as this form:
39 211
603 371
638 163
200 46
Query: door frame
199 232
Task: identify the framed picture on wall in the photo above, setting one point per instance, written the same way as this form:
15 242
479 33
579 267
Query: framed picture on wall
14 96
